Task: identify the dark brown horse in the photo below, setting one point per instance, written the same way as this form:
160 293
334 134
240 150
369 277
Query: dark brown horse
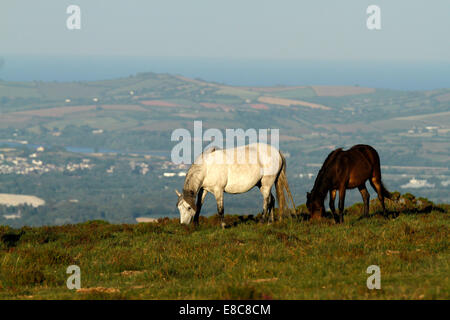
347 170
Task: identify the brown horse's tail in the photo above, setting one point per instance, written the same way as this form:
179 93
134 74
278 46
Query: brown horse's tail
377 176
377 180
384 191
281 184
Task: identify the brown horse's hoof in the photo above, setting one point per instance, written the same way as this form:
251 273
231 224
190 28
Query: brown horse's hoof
339 219
316 218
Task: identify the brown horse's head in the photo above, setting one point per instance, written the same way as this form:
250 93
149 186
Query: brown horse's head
315 206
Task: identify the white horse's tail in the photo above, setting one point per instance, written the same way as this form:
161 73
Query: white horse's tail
281 184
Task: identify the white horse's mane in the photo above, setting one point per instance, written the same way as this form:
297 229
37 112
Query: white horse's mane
193 176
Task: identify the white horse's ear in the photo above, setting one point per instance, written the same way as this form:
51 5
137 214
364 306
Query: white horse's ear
178 193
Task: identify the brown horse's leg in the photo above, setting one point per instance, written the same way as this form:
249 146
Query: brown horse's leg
376 184
332 208
341 204
366 196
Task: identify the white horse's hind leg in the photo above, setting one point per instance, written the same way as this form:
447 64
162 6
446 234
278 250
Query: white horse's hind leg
271 207
267 201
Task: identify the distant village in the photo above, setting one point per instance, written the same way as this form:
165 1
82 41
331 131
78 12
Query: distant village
168 168
31 164
426 131
24 166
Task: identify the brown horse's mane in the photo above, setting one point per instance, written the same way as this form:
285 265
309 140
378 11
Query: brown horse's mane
321 176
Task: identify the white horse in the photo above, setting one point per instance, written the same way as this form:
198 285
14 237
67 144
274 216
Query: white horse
234 170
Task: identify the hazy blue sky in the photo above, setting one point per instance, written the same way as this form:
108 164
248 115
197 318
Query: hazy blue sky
283 29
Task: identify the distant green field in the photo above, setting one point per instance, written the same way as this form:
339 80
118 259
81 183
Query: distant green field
249 260
12 91
70 90
296 94
241 93
150 83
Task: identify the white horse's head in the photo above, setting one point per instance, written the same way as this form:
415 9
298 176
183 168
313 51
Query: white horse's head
187 213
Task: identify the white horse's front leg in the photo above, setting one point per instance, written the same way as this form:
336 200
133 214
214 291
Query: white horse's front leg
271 207
200 199
220 210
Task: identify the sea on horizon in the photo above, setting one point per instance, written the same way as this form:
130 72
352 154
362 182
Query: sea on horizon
239 72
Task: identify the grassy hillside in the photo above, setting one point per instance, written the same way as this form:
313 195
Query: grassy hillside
293 259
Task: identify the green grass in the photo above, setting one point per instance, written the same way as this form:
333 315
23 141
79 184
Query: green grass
292 259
